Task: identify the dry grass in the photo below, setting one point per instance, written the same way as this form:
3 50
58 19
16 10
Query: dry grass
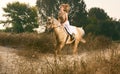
46 42
95 63
0 63
103 58
101 62
40 42
94 43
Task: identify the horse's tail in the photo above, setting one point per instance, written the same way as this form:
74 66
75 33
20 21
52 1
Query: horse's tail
82 32
83 40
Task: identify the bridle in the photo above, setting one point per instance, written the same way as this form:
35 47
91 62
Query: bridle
57 27
53 27
50 22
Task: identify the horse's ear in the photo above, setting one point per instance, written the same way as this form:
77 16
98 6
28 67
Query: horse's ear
52 17
48 19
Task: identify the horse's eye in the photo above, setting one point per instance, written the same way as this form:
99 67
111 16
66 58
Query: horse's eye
48 23
49 20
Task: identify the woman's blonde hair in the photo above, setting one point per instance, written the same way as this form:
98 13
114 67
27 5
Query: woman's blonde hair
66 7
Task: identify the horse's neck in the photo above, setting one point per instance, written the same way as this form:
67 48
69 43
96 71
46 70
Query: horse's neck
59 29
58 26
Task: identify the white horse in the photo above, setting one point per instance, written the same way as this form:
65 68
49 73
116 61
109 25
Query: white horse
62 37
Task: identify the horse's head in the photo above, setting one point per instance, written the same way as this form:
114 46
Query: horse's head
51 24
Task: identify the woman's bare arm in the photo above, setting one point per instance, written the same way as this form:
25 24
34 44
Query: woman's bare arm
66 18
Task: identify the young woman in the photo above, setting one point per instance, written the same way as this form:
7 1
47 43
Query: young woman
63 18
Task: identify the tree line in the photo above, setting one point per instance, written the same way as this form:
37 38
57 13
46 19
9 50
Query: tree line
96 21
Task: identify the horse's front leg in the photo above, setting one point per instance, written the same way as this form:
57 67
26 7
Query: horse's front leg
58 48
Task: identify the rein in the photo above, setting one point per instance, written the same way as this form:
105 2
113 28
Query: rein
51 30
67 34
57 26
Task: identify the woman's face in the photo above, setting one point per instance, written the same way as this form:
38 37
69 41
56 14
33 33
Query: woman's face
61 8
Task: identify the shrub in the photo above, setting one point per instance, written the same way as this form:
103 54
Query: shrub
42 42
95 43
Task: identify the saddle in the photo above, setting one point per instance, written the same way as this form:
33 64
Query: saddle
72 36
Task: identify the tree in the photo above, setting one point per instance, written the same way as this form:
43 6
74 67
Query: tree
78 13
97 13
22 17
101 24
107 28
96 17
47 8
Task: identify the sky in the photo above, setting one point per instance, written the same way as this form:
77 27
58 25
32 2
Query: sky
111 7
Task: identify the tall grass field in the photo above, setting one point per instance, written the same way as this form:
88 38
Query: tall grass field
31 53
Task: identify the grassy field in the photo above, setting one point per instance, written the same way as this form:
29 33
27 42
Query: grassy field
35 55
45 42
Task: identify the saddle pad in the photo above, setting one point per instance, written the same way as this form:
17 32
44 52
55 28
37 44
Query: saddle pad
73 29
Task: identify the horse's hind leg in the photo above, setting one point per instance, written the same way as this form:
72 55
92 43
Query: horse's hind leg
75 47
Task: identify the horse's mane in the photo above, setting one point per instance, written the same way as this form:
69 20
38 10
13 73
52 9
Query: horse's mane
56 21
